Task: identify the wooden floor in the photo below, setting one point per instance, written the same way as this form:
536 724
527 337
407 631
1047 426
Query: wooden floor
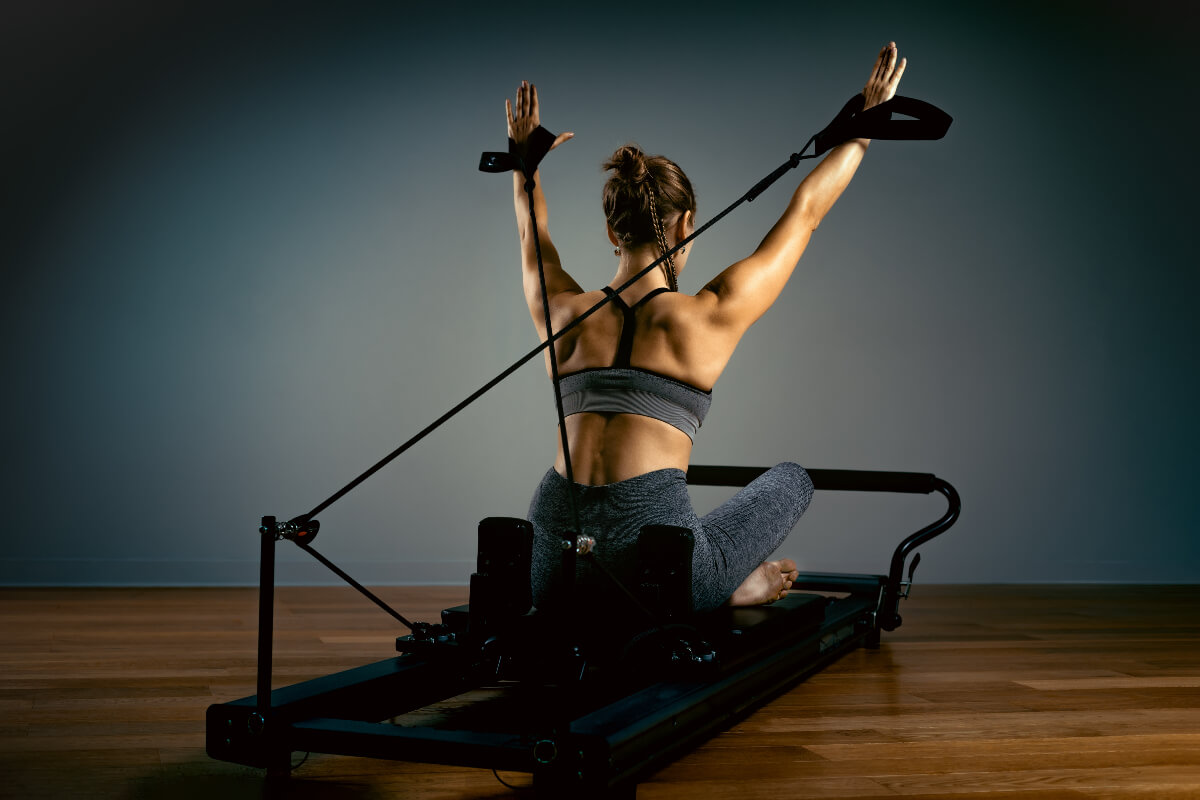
985 692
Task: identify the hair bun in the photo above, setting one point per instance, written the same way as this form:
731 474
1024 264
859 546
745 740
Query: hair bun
629 162
642 192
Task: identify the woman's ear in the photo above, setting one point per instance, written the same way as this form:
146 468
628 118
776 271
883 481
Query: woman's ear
684 225
612 237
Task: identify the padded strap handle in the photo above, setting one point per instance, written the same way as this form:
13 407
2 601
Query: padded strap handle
929 122
525 159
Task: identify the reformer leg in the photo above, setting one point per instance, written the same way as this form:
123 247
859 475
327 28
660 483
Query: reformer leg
873 637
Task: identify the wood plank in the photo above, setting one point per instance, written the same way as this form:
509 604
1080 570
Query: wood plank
1154 682
1029 692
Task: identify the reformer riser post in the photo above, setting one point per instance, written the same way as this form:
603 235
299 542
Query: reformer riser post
266 611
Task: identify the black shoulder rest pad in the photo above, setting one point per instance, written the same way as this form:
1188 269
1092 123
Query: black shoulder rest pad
929 122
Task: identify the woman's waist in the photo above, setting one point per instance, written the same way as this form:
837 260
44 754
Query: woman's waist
609 448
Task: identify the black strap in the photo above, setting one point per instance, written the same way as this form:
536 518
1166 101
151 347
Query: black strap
648 295
608 290
629 324
525 158
929 122
836 131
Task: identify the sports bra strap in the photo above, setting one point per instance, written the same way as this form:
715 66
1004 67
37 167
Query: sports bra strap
620 301
629 325
648 295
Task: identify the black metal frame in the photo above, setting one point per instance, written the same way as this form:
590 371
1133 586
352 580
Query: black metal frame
619 730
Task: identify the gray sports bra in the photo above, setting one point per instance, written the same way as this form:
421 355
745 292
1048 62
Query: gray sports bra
624 389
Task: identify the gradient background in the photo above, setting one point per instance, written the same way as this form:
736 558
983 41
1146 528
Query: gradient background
246 254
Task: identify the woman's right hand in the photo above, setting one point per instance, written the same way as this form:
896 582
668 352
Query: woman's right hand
525 117
885 77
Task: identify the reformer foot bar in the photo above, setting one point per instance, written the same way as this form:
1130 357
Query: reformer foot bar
626 719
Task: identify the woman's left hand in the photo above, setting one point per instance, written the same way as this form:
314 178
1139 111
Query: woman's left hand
524 119
885 77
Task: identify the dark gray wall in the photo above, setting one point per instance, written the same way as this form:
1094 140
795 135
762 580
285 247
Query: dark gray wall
247 254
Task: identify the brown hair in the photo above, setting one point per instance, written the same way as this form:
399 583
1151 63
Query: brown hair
642 192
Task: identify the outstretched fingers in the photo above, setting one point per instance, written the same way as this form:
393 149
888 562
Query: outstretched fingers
880 67
519 112
894 80
885 76
523 115
526 105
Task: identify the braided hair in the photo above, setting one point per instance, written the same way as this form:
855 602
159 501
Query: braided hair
641 192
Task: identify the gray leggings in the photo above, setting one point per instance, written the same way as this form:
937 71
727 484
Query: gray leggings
731 540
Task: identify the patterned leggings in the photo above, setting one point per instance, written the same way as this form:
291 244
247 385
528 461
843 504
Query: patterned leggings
731 540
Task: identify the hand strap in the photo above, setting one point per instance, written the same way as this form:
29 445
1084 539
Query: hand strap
929 122
525 158
836 131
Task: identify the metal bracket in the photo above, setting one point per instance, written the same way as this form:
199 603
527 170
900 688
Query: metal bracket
906 586
299 530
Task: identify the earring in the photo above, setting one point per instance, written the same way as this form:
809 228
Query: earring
616 251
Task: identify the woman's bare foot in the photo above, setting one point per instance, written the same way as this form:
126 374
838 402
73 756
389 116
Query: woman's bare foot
768 582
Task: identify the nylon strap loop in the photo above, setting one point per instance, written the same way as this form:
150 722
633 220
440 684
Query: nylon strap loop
929 122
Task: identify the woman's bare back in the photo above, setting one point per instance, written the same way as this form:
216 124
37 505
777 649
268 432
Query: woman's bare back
671 339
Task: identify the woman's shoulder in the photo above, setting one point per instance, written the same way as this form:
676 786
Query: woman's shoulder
679 308
568 306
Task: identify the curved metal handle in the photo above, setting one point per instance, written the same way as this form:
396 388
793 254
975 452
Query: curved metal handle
889 607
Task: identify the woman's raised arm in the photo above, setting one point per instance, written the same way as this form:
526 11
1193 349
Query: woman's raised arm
523 120
745 290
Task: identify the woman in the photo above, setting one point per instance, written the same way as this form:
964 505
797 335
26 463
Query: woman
637 375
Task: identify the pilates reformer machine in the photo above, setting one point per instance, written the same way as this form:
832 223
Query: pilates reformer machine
588 702
587 714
